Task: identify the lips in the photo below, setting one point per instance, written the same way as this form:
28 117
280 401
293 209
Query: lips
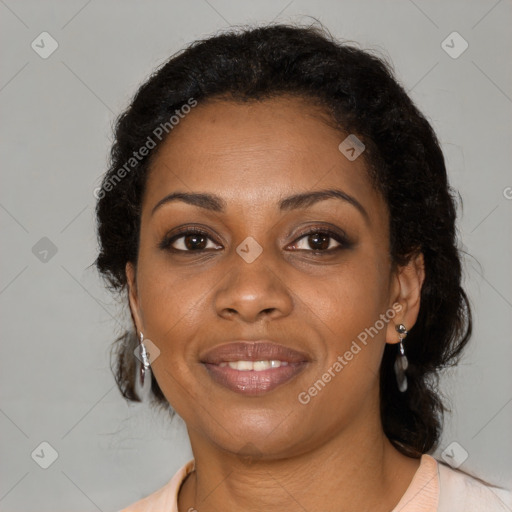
255 367
253 351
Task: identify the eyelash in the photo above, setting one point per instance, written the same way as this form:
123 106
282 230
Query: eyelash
341 239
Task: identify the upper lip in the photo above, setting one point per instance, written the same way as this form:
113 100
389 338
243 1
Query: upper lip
261 350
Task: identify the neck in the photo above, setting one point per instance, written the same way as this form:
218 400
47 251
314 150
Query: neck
358 469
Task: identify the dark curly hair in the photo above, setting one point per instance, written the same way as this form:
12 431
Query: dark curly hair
359 93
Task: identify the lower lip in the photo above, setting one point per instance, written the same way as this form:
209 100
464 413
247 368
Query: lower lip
250 382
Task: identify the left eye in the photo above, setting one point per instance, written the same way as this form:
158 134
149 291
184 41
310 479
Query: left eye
319 241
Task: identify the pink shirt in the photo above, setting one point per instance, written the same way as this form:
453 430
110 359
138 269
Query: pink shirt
435 487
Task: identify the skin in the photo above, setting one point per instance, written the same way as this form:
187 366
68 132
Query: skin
271 451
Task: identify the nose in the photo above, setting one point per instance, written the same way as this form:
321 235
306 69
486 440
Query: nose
253 291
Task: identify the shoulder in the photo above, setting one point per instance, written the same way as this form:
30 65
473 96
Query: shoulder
461 491
165 498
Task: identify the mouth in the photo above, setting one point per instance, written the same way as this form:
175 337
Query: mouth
253 368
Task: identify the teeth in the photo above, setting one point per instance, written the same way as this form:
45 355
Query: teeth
241 365
256 366
263 365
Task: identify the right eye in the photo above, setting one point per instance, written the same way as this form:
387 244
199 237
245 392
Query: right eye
189 240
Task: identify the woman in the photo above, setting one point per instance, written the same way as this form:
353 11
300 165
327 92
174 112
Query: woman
278 212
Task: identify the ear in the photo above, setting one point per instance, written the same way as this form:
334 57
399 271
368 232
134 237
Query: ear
406 295
133 297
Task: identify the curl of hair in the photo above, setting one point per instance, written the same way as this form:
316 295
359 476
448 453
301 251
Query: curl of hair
360 94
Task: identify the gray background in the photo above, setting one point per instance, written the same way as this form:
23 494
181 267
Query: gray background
57 319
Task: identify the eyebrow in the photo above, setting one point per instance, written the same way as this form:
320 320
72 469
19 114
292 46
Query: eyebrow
294 202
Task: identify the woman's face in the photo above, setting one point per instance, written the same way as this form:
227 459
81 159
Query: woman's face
312 275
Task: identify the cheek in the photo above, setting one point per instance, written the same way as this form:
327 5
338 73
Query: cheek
349 306
348 310
350 299
169 292
173 308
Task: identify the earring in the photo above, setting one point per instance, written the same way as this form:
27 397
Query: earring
145 360
401 362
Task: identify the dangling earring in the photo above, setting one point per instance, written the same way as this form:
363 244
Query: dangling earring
145 360
401 362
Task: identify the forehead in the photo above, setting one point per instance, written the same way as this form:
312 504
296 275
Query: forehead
255 153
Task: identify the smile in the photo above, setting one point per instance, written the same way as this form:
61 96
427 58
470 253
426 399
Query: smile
253 377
